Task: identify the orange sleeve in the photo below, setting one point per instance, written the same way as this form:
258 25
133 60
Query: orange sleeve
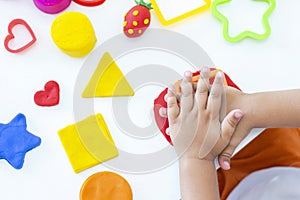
273 147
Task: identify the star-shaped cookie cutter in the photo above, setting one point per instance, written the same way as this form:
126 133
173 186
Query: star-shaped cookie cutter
247 33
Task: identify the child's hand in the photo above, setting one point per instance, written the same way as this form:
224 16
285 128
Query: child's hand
195 128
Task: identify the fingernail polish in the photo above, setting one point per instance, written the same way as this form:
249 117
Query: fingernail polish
219 75
168 131
162 111
238 115
226 165
188 74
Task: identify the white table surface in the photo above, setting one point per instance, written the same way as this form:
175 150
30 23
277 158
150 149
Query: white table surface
255 66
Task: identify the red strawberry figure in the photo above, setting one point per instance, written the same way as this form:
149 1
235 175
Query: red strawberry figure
137 19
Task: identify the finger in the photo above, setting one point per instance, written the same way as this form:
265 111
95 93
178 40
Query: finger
163 112
229 124
203 87
223 105
215 96
173 109
178 97
225 156
231 147
187 99
168 131
228 127
224 161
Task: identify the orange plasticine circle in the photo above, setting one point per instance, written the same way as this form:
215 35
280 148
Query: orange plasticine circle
106 186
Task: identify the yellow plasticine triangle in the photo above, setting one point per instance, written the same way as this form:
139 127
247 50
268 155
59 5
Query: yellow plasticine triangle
88 143
107 80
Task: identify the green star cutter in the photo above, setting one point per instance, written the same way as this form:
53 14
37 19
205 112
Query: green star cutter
247 33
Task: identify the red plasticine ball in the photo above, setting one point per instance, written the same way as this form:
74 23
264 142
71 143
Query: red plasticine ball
160 102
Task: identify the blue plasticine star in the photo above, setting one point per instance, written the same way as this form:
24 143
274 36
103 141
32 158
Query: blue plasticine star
16 141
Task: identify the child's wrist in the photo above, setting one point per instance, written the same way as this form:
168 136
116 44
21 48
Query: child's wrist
192 160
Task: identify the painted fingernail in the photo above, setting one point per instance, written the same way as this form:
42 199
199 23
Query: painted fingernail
205 72
238 115
188 74
162 111
226 165
168 131
166 97
219 75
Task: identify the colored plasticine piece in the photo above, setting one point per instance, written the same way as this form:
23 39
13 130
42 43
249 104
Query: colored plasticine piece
247 33
89 3
74 34
88 143
16 141
48 97
161 122
166 22
137 19
106 185
107 80
52 6
9 38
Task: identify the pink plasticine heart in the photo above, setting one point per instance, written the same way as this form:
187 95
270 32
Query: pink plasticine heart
49 96
11 36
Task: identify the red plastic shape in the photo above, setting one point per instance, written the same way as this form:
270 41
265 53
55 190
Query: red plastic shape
11 36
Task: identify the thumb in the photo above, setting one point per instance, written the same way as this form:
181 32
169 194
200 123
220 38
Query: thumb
228 126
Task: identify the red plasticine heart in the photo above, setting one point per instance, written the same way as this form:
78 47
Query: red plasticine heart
11 36
48 97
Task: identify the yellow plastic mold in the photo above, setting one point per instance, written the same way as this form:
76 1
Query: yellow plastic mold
166 22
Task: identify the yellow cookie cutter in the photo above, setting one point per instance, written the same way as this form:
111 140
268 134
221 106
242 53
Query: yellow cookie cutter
178 18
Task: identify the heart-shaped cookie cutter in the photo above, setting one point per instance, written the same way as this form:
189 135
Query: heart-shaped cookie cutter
247 33
11 36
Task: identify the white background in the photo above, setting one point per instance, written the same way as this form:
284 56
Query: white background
273 64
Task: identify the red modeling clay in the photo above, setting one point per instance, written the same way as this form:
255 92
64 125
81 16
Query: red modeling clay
48 97
89 3
159 102
11 36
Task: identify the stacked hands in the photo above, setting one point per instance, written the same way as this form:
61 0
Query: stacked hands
208 121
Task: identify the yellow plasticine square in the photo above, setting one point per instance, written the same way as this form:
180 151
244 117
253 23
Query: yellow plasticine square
164 21
88 143
96 138
78 156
